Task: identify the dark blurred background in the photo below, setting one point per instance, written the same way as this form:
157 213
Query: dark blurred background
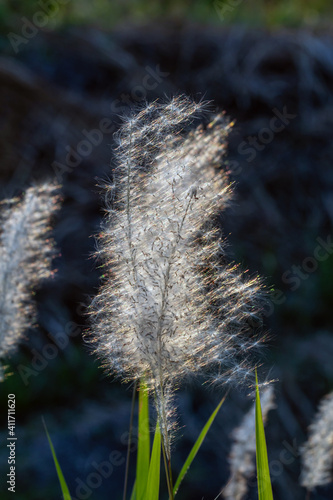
69 68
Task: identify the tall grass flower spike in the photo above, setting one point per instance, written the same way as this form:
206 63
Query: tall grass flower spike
170 305
26 250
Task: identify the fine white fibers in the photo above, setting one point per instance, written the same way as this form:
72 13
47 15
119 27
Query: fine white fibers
170 306
26 253
317 453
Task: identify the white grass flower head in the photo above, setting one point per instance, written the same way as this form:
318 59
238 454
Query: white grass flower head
170 306
317 453
26 253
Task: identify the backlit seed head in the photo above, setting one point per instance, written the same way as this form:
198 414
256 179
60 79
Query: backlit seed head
170 305
317 453
26 251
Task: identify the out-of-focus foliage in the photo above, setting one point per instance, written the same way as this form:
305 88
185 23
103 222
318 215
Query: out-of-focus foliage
106 14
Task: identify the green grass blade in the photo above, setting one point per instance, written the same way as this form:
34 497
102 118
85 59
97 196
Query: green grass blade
263 477
143 457
153 483
64 487
196 446
133 496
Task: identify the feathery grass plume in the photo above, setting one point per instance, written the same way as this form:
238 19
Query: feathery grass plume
170 306
317 453
26 253
243 450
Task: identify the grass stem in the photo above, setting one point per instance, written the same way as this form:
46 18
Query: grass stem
167 466
130 432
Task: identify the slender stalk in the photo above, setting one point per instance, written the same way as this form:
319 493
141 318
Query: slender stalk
129 220
170 477
167 466
130 432
165 437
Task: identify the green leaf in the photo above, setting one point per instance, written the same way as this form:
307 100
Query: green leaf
263 477
64 487
153 483
143 457
197 445
133 496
